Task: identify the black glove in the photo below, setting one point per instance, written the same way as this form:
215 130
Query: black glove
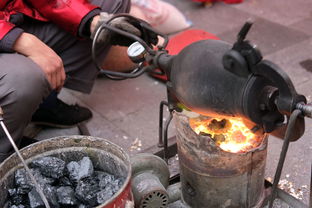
126 24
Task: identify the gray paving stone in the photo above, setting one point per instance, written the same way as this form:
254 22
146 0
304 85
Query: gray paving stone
98 126
284 12
143 125
288 59
217 20
115 99
304 25
125 111
268 36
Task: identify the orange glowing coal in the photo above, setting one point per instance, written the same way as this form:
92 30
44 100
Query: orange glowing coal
231 135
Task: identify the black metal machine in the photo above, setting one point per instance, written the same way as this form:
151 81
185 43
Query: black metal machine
214 78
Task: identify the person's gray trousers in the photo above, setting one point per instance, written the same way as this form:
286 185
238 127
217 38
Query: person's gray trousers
23 85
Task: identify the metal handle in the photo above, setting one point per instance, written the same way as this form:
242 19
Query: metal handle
306 109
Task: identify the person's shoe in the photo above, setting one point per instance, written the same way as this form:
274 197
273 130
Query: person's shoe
61 115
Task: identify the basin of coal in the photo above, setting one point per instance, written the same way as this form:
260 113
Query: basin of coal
73 171
64 183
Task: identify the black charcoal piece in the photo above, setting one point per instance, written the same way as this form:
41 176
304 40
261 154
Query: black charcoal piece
49 192
116 184
104 195
19 206
86 191
73 170
104 178
83 206
50 166
86 167
80 170
64 181
35 200
16 198
66 196
12 192
41 179
22 181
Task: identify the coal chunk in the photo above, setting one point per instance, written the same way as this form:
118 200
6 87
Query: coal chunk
19 206
74 185
66 196
64 181
109 185
105 194
86 191
106 179
52 167
79 170
41 179
49 192
35 200
16 198
83 206
22 181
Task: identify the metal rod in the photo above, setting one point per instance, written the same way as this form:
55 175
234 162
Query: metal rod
289 199
306 109
39 190
166 137
161 117
83 129
291 124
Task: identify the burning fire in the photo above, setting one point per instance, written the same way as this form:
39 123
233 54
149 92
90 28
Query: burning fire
230 135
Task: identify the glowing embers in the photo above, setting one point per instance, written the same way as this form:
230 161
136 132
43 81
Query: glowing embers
230 135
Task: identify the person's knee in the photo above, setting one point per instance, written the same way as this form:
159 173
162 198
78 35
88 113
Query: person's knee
32 86
26 83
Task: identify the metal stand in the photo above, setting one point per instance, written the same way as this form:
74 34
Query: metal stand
161 117
163 130
280 165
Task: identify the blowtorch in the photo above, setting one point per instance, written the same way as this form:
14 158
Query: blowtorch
217 79
214 78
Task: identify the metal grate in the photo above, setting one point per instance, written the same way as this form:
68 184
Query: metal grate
155 199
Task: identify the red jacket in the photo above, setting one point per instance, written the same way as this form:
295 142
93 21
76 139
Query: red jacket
66 13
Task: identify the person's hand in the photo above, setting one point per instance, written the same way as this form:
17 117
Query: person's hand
50 63
123 23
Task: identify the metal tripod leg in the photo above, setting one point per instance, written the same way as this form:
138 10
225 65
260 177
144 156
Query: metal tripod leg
166 137
291 124
161 117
